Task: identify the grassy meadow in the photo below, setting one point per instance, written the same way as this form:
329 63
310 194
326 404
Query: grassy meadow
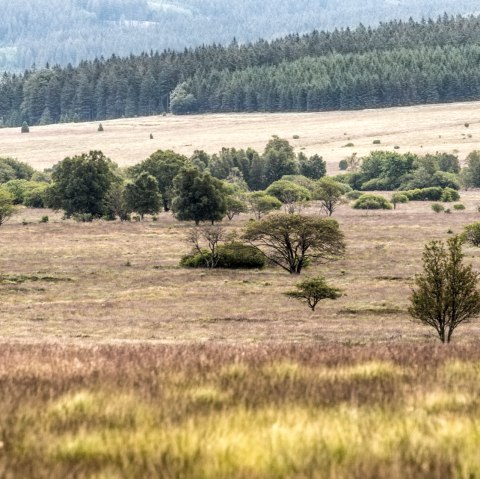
117 363
252 411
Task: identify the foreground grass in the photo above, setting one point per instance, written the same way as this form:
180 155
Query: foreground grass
273 411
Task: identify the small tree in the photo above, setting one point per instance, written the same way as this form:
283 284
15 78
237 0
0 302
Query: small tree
437 207
313 290
446 293
235 206
398 198
100 127
291 241
6 206
25 128
289 193
330 194
206 241
471 234
261 204
142 195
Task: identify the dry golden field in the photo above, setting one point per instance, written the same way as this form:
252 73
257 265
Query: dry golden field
420 129
108 281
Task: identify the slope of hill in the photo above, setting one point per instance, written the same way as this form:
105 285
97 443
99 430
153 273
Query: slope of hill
397 63
68 31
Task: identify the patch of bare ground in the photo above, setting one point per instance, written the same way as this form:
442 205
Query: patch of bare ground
109 281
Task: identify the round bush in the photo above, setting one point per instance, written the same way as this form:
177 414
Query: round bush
459 207
353 195
471 234
437 207
231 256
372 202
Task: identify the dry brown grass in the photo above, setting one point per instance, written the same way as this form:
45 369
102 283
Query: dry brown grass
420 129
121 282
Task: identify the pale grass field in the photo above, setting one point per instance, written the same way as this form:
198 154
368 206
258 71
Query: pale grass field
121 282
419 129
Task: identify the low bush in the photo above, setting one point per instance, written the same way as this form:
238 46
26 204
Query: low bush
372 202
376 142
343 165
434 193
471 234
437 207
83 217
459 207
231 256
354 195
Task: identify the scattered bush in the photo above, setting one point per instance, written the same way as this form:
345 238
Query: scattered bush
296 137
348 145
437 207
230 256
377 142
471 234
396 147
459 207
372 202
343 165
467 125
354 195
83 217
434 193
44 219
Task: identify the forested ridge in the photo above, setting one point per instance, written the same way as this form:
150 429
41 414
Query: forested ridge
397 63
69 31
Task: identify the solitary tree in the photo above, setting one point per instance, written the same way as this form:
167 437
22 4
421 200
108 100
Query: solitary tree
330 194
313 290
291 241
6 206
446 293
289 193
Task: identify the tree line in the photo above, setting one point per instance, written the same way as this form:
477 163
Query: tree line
397 63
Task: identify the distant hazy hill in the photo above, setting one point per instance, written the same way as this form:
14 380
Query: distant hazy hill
68 31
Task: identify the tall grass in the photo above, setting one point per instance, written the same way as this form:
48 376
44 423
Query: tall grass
270 411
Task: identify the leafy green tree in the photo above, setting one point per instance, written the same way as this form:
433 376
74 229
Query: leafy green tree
142 195
117 204
198 197
471 234
330 194
81 184
398 198
289 193
234 206
164 165
292 241
445 293
7 209
313 290
314 167
261 204
11 169
279 160
473 169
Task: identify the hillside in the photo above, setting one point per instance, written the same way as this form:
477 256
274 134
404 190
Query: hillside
62 32
419 129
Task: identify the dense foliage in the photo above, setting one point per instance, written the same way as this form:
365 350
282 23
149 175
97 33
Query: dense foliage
397 63
67 31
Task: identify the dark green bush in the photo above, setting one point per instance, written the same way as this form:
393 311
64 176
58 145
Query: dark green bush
354 195
434 193
372 202
437 207
343 165
459 207
231 256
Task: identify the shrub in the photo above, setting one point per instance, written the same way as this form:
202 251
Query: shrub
471 234
372 202
44 219
100 127
434 193
459 207
449 195
348 145
396 147
231 256
376 142
399 198
83 217
25 128
296 137
354 195
437 207
343 165
467 125
151 136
